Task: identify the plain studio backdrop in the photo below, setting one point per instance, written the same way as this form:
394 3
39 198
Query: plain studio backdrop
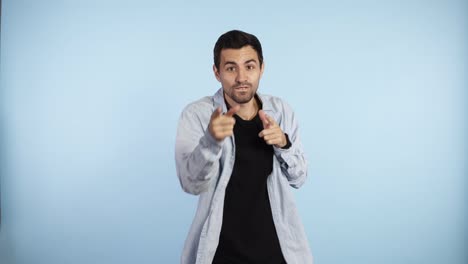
91 92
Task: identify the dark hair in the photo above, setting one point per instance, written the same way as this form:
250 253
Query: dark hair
236 39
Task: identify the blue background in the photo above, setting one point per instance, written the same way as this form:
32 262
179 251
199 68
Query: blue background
91 92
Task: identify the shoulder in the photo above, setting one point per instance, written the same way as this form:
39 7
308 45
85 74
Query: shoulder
275 103
200 109
200 105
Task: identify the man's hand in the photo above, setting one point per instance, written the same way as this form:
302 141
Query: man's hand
272 133
221 126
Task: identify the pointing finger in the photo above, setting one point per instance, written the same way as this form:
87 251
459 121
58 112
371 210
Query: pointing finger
271 121
216 113
264 118
233 110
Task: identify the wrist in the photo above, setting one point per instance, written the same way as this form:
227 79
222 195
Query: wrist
287 142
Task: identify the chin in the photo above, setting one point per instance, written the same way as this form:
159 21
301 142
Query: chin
243 100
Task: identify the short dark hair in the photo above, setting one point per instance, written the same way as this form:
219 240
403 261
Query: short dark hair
236 39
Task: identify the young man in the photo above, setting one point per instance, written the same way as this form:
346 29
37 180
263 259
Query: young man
240 151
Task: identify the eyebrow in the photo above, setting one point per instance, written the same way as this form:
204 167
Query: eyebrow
232 62
249 61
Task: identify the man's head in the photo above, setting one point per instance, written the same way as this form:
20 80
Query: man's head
236 39
238 65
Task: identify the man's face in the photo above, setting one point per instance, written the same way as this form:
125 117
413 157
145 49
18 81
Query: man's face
239 73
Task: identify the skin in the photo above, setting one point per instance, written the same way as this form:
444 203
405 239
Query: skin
239 74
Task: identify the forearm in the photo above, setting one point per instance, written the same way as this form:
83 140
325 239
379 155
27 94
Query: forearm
292 157
197 166
293 164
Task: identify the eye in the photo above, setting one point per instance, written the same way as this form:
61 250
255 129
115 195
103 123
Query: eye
230 69
250 67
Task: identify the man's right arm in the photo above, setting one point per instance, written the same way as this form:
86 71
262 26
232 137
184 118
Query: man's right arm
197 153
199 145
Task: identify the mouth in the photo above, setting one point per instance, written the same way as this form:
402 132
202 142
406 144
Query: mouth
241 88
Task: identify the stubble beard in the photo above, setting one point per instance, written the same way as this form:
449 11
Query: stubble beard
241 97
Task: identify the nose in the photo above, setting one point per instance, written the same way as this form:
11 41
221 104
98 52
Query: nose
241 76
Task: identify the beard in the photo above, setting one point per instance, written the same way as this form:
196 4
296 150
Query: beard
240 97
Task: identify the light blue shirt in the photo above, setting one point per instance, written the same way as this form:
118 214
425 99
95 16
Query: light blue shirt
204 167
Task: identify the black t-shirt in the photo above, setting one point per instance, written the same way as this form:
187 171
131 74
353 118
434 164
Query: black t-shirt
248 234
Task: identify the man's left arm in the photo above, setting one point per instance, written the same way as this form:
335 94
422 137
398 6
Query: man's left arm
287 144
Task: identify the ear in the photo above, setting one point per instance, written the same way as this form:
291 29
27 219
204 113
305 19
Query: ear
216 73
262 68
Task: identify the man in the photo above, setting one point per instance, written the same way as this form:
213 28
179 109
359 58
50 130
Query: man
240 151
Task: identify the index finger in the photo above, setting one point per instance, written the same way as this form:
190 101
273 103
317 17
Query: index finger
232 111
264 118
271 120
216 113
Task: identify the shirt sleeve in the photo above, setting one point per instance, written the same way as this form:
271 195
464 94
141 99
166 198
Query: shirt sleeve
197 153
288 142
292 159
